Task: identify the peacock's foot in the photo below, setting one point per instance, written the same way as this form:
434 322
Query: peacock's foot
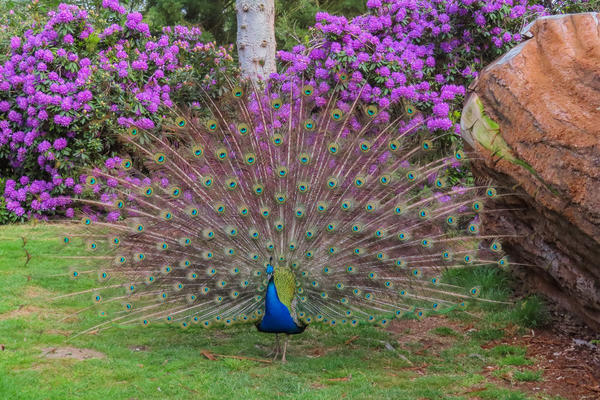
274 353
276 349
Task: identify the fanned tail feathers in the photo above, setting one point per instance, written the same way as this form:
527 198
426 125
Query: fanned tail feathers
361 209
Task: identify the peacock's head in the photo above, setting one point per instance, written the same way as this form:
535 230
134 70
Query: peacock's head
270 269
281 270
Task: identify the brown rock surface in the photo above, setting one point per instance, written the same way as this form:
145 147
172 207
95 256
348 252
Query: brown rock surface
533 120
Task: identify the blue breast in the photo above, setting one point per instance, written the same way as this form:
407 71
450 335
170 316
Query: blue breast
277 318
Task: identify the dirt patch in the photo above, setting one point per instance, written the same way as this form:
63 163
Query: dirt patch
569 362
36 291
138 348
22 311
570 366
28 310
415 331
412 328
316 352
71 352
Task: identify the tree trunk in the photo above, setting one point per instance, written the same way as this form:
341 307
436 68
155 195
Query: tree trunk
256 38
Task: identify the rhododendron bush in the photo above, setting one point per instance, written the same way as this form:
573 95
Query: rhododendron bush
70 82
408 55
419 52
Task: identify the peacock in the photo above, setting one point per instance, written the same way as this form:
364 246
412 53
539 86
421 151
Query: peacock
280 207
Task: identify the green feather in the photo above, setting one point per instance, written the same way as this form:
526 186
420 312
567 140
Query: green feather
285 283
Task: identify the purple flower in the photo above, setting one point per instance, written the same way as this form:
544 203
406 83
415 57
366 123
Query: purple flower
62 120
122 69
14 116
18 136
384 102
479 19
114 5
15 42
112 216
134 18
144 123
112 162
111 182
441 109
139 65
59 144
517 11
84 96
43 146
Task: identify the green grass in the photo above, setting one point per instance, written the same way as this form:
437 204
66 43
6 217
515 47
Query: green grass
531 313
488 333
504 350
444 331
518 375
528 376
163 361
515 360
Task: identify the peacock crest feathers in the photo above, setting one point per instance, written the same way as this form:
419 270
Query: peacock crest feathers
360 214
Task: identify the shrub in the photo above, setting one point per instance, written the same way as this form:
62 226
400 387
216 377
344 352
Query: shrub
528 376
71 82
423 52
531 313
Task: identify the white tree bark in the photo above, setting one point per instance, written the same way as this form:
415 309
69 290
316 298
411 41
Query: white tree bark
256 38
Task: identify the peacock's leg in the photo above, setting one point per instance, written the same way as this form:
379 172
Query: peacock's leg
287 337
276 348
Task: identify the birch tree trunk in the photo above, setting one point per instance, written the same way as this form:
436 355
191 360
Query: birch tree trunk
256 38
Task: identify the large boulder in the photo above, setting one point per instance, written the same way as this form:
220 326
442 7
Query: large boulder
533 121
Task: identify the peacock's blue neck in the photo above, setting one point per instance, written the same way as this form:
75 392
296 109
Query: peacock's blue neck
277 317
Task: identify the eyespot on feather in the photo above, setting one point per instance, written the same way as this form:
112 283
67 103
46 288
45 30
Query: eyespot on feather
211 125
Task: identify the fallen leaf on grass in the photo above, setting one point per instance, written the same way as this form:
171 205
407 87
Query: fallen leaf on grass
474 390
208 355
352 339
343 379
213 357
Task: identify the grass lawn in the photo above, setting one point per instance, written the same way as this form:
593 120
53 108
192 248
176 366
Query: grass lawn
407 360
